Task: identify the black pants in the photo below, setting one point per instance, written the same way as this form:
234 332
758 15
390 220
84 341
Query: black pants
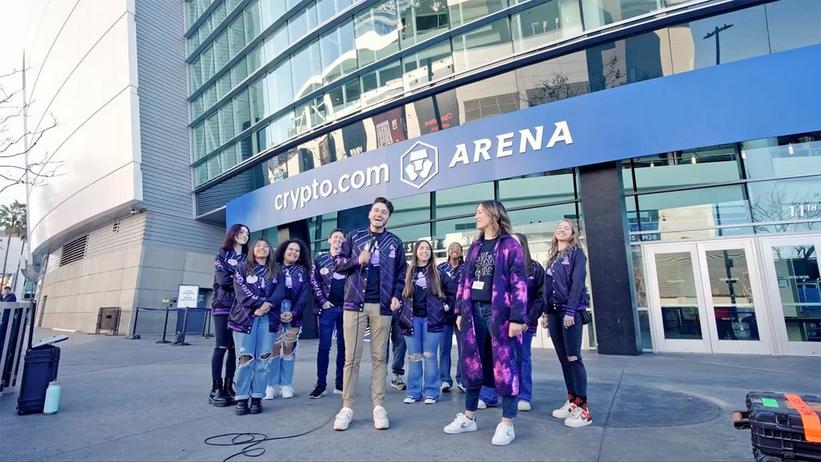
482 324
224 344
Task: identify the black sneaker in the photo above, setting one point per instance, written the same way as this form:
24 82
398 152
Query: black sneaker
256 405
319 392
217 397
241 407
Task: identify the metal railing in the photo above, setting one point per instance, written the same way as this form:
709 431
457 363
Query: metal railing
16 327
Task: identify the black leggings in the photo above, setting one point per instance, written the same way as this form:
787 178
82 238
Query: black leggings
224 344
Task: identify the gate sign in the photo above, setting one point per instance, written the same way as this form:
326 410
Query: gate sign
732 102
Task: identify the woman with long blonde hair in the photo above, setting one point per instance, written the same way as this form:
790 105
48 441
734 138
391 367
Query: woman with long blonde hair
566 298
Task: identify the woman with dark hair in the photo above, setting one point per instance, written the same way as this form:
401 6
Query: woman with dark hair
290 300
421 320
535 306
250 320
491 305
232 254
453 269
566 299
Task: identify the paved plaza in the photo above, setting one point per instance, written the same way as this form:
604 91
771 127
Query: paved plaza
137 400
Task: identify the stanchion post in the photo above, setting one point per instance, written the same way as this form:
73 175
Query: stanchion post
134 335
164 328
181 337
206 324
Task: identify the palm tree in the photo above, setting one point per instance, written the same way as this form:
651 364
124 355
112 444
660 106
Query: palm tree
13 223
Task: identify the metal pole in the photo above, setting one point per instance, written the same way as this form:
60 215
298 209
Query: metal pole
164 328
134 335
181 338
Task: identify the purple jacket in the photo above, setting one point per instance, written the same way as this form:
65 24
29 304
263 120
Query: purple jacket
564 284
454 276
225 265
435 306
509 302
252 290
299 294
535 295
321 280
392 266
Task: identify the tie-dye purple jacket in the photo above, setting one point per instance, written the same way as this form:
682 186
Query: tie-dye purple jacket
300 294
392 267
225 265
509 304
252 290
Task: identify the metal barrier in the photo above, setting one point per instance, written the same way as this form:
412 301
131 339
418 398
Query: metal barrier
16 325
108 318
180 334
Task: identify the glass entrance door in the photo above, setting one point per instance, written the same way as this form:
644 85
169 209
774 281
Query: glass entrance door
734 296
707 297
677 313
792 279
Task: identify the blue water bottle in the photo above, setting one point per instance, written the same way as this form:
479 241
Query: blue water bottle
52 404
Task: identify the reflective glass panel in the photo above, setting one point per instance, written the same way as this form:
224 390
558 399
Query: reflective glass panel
428 65
338 52
300 24
799 288
793 23
420 19
462 200
483 45
536 189
376 33
731 292
707 165
598 13
462 11
382 83
307 70
546 23
489 97
326 9
637 58
677 293
552 80
783 156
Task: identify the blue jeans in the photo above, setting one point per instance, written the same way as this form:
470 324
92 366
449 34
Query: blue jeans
489 395
329 320
481 320
422 348
445 347
252 375
398 346
282 364
568 342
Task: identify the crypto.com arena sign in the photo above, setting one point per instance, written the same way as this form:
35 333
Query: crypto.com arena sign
723 104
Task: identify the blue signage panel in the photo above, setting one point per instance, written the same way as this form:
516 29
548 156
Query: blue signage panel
756 98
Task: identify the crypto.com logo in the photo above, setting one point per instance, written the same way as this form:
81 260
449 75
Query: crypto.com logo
419 164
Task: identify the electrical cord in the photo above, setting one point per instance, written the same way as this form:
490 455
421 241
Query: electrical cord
252 440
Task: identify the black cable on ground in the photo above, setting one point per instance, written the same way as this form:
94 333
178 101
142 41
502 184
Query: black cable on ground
252 440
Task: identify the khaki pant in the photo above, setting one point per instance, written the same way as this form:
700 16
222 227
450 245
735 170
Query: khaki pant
353 325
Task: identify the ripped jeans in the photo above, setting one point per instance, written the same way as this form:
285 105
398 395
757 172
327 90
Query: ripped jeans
253 359
423 361
283 358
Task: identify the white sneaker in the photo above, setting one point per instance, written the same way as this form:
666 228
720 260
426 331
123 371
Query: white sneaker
343 419
481 405
523 405
430 400
337 391
579 417
287 391
409 400
504 435
271 392
380 418
562 412
461 424
444 387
